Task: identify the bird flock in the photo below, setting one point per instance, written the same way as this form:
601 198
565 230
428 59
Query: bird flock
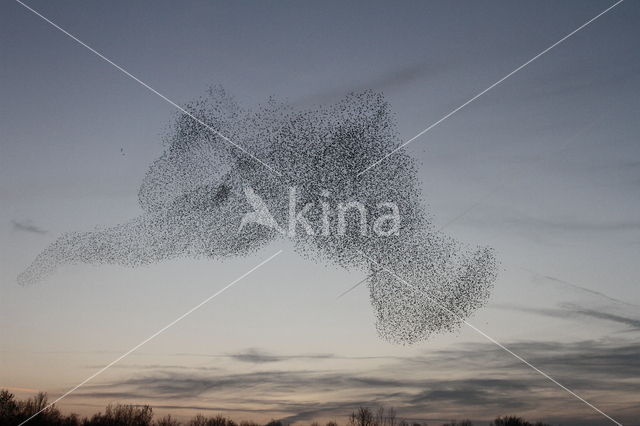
194 198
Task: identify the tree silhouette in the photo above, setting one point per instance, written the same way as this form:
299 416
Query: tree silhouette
514 421
219 420
361 417
167 421
14 412
123 415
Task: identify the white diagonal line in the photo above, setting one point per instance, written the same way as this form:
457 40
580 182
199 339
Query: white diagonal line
353 287
172 323
492 340
151 89
488 194
575 137
490 87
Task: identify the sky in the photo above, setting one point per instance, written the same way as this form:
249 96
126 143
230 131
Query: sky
544 168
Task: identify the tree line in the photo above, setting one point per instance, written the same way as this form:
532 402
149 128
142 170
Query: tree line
13 412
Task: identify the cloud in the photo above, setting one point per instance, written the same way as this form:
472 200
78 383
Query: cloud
596 364
256 356
578 287
274 390
27 226
389 80
156 367
573 311
17 389
187 385
479 379
475 392
633 322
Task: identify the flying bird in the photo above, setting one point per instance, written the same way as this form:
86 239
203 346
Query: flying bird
199 200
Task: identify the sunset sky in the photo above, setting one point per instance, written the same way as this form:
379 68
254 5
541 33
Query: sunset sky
544 168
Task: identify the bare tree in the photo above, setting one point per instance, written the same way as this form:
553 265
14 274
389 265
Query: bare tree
380 419
391 417
362 417
167 421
